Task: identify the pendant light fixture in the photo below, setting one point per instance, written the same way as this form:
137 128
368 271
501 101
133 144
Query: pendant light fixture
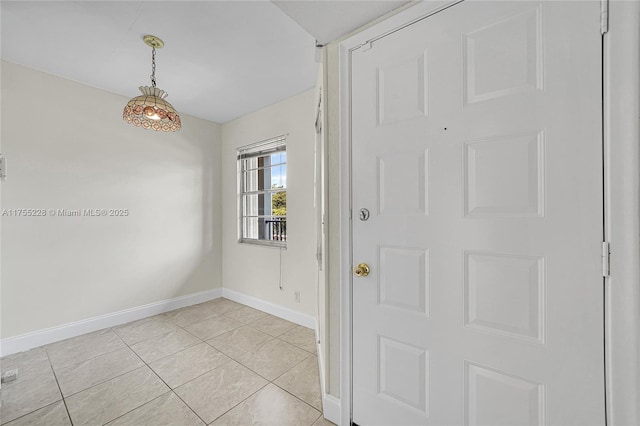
150 110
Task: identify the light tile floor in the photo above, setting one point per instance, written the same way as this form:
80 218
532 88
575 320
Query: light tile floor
219 363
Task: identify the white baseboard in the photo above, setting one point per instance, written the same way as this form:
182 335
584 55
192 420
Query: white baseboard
331 408
270 308
330 404
34 339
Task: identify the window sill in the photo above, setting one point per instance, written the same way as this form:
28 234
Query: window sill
266 243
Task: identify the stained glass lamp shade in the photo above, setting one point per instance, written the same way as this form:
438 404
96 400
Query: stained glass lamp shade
150 110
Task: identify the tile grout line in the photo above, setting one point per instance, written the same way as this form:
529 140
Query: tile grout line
171 354
200 375
104 381
294 366
255 372
143 340
201 341
253 350
309 355
298 398
187 405
92 358
249 396
37 409
293 344
291 393
55 376
148 402
125 372
268 383
44 348
301 400
165 383
173 391
229 356
207 319
226 362
273 381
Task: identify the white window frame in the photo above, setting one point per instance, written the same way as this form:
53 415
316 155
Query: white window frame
255 150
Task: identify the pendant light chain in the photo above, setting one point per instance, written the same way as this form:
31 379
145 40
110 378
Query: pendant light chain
153 66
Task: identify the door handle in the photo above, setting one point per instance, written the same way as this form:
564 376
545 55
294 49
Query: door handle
362 270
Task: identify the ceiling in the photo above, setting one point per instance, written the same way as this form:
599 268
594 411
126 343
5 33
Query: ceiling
221 60
329 19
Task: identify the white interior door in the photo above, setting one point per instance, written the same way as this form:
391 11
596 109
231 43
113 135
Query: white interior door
476 148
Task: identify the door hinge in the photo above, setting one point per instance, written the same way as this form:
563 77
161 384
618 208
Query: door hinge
606 259
604 16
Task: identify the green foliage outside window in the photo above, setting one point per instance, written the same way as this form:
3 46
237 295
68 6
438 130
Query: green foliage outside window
279 204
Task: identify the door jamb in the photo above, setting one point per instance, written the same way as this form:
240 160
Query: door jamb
621 62
621 103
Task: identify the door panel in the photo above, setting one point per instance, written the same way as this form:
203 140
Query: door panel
476 146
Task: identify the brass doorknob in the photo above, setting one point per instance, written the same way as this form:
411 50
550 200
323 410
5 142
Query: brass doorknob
362 270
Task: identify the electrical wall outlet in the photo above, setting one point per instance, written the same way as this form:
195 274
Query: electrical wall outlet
297 295
10 375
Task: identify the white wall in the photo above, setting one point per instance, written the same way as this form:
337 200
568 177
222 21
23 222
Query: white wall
68 148
254 270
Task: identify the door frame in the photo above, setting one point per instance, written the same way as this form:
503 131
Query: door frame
621 148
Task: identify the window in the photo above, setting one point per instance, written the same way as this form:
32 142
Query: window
262 179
